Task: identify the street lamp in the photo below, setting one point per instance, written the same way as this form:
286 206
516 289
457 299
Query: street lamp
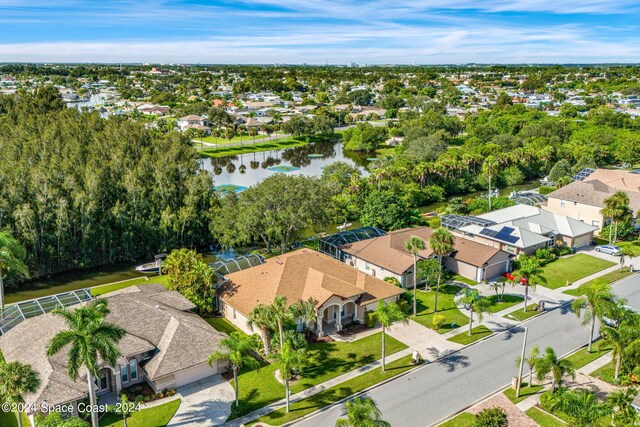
524 346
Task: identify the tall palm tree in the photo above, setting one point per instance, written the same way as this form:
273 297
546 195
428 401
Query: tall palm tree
534 355
388 314
475 303
596 300
490 168
240 350
16 380
12 256
280 314
306 312
615 337
531 272
622 213
441 243
260 317
609 211
415 245
549 362
91 340
290 360
362 412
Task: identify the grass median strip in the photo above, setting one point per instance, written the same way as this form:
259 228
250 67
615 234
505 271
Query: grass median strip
338 392
523 315
477 333
525 391
582 357
463 419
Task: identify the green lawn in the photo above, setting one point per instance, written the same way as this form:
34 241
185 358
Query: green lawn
101 290
522 315
611 277
582 357
459 278
544 418
454 317
223 325
260 387
337 393
9 419
634 246
158 416
605 373
572 268
463 419
525 391
220 140
477 333
507 301
250 148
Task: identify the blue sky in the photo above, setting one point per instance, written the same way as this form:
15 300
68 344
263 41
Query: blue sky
315 31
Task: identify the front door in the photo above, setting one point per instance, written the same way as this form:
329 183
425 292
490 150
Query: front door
103 382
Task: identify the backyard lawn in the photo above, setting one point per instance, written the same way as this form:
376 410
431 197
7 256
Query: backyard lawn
610 277
9 419
158 416
507 301
525 391
337 392
250 148
582 357
477 333
101 290
260 387
543 418
520 315
570 269
454 318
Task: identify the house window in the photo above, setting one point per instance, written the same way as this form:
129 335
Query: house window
124 373
133 369
373 272
366 266
563 203
234 314
595 223
511 249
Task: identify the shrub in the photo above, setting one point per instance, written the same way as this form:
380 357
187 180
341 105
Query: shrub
434 223
438 321
546 255
370 319
405 306
544 190
492 417
392 280
564 250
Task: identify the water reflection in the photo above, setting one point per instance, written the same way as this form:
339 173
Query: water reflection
249 169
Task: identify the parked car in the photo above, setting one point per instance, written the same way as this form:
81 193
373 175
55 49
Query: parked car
615 322
608 249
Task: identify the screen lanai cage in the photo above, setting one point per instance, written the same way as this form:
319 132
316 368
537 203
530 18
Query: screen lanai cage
331 245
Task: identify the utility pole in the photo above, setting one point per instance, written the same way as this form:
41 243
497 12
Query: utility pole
524 346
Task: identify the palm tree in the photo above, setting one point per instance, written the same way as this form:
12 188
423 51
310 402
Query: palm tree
619 401
531 272
615 337
415 245
253 131
12 256
362 412
280 315
622 213
441 243
490 168
609 211
16 380
91 340
124 408
306 312
534 356
290 360
475 303
388 314
550 363
240 350
260 317
596 300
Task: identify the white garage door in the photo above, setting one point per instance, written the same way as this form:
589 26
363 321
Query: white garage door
581 241
196 373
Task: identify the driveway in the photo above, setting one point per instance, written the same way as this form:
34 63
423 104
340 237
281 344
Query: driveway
430 344
204 403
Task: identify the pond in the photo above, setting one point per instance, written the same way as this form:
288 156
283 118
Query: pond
236 173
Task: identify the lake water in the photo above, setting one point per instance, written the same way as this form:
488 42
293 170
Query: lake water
245 170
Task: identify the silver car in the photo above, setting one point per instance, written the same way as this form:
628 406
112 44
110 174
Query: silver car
608 249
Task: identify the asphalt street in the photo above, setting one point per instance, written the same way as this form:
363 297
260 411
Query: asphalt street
435 391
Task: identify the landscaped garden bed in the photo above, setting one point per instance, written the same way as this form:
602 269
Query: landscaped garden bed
144 393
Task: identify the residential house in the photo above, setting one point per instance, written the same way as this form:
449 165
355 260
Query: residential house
165 346
584 200
522 229
386 256
193 121
343 294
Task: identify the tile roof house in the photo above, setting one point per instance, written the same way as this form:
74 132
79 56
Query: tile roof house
583 200
342 293
166 345
385 256
525 229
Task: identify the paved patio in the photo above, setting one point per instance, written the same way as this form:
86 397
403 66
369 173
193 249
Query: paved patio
204 403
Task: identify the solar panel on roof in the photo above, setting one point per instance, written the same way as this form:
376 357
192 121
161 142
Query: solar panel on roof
504 234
